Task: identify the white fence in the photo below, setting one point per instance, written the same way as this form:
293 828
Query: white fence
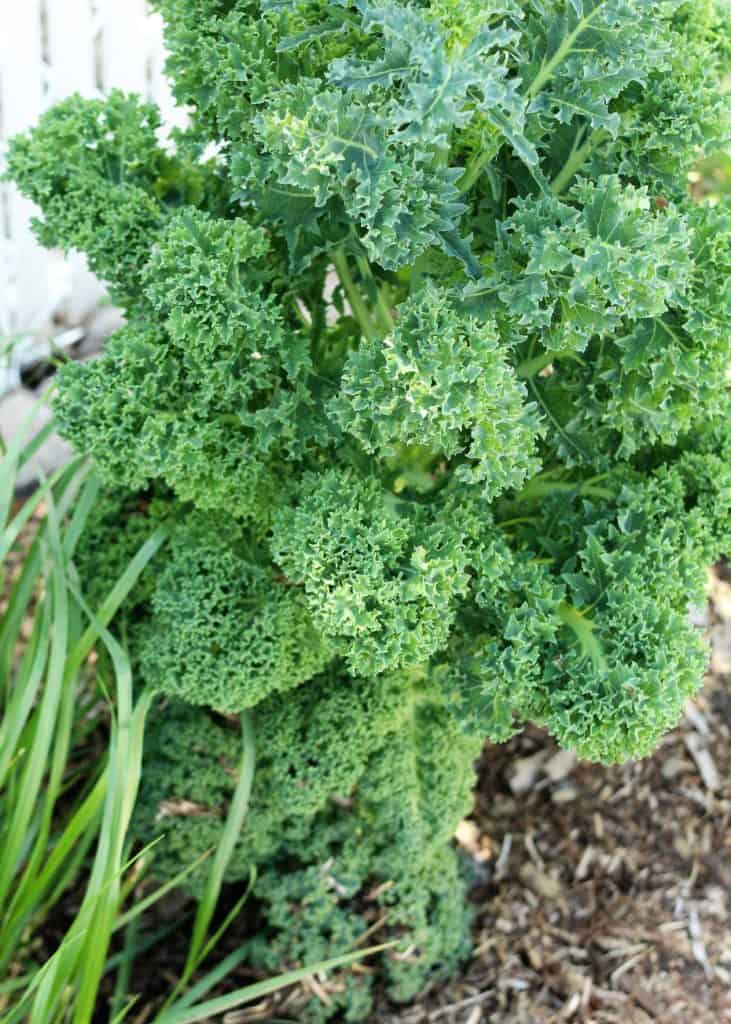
49 49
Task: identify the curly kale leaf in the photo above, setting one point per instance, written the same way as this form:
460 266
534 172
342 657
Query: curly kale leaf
604 291
680 115
188 779
330 162
630 657
413 772
589 266
134 410
380 576
205 280
118 525
224 632
104 184
585 53
493 678
214 397
433 88
442 381
584 628
421 780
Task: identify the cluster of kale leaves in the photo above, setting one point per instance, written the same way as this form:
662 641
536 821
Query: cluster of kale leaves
424 370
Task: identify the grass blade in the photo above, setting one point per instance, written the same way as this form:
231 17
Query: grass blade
142 905
232 829
35 763
232 1000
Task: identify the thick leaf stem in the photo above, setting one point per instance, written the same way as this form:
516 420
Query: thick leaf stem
546 71
577 157
357 303
583 629
475 166
530 367
382 309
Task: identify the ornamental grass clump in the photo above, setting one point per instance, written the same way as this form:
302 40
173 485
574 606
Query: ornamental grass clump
424 373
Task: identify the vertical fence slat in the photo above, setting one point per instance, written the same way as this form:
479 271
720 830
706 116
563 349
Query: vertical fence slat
125 43
158 86
71 48
26 297
20 45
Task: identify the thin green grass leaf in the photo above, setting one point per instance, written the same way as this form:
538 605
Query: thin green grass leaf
82 509
35 763
121 1002
25 689
212 978
17 453
229 918
63 475
232 1000
124 1013
15 613
143 905
82 821
229 837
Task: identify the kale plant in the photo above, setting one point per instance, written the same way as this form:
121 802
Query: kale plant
425 368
